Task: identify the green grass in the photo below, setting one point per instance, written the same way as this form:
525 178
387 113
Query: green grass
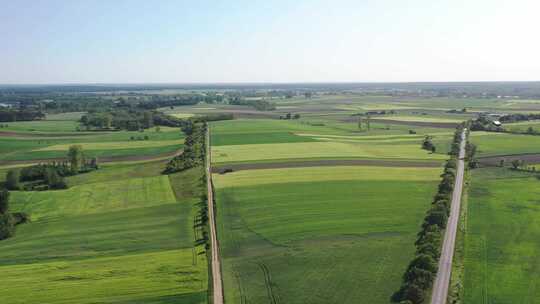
123 234
502 252
319 241
491 144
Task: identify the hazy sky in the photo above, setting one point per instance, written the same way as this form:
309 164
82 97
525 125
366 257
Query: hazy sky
268 41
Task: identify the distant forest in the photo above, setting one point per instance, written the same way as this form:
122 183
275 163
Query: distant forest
478 89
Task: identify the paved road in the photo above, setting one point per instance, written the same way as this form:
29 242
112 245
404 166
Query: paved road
216 264
442 281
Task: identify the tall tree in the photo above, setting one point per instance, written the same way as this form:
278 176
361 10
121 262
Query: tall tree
148 120
4 201
76 158
368 123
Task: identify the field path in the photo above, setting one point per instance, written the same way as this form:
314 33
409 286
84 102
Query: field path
216 263
442 281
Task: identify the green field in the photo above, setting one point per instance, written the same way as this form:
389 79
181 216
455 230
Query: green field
122 234
332 149
422 119
74 116
319 235
107 144
42 126
502 252
492 144
523 126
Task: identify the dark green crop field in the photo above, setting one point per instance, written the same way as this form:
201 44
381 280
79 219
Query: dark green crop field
502 252
329 237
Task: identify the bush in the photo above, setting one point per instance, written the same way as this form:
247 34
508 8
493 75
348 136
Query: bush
7 226
429 249
437 217
12 179
419 277
20 218
413 293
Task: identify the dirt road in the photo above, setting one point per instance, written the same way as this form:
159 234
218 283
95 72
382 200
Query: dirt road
442 281
216 264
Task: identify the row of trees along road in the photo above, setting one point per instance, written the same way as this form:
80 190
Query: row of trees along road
194 148
194 155
421 272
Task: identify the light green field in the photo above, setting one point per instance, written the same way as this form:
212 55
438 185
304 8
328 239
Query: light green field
182 115
74 116
115 145
318 174
96 197
492 144
265 131
42 126
97 144
523 126
290 235
502 252
244 153
419 118
116 236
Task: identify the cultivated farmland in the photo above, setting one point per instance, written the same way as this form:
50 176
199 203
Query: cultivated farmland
501 246
133 233
319 235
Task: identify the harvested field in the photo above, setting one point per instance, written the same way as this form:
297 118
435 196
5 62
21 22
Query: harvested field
496 160
327 163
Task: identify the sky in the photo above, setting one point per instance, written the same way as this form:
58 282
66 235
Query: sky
121 41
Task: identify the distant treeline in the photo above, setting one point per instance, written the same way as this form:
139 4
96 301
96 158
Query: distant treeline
194 148
131 119
446 89
162 119
260 105
421 272
10 115
519 117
